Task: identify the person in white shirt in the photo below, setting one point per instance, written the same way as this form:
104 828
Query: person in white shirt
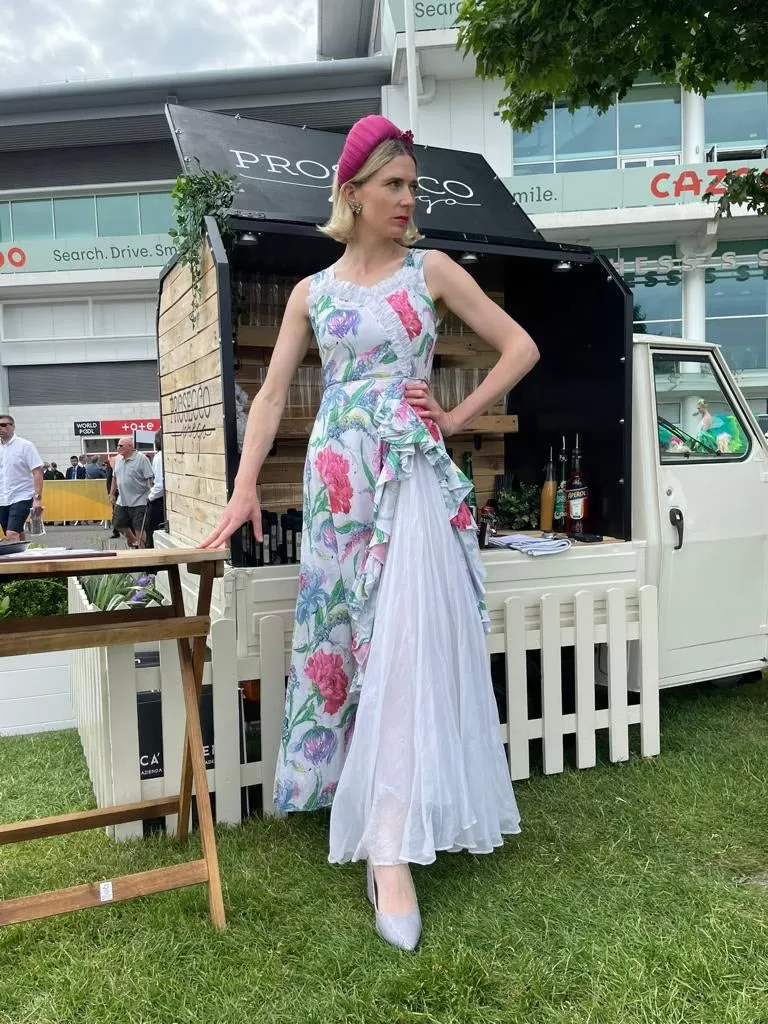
156 497
21 479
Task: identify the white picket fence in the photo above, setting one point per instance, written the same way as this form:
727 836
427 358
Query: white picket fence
606 624
105 685
611 629
619 626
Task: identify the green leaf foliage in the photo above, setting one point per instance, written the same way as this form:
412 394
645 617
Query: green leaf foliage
750 190
195 197
585 52
28 598
518 507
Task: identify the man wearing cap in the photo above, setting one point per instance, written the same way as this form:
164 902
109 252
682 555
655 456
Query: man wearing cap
21 479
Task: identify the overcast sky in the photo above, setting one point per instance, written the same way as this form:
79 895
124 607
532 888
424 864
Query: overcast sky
47 41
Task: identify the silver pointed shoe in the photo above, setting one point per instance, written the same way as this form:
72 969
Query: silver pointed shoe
400 930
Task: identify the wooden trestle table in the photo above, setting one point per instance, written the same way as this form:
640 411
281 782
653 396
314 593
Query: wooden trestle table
100 629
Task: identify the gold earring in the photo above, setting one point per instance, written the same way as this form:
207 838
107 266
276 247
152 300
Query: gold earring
356 208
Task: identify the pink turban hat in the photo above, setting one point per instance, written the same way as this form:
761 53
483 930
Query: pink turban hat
364 136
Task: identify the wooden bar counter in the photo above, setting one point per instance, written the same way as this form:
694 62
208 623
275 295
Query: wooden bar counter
103 629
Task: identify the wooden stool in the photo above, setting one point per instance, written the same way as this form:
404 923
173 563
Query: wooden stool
103 629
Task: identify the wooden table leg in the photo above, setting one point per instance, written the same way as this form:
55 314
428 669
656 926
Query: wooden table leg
198 661
193 758
205 817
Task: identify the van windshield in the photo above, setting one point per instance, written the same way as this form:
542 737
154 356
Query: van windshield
696 418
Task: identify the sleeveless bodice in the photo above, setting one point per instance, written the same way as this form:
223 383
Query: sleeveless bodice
387 330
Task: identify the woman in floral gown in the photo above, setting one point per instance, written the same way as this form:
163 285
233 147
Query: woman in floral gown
390 717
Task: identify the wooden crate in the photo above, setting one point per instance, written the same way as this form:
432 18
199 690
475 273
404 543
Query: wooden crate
192 402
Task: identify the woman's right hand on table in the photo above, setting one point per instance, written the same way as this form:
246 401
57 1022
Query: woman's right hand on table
242 507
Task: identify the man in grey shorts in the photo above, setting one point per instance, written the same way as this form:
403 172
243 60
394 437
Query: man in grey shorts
132 479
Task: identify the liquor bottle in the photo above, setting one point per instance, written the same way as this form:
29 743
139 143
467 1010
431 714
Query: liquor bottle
471 498
547 500
266 546
576 495
559 514
287 532
274 547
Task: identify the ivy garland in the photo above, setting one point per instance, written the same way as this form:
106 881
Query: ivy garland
196 196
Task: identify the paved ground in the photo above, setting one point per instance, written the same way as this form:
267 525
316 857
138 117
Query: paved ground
88 536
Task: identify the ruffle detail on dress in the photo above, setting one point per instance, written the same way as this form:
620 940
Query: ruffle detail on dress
403 434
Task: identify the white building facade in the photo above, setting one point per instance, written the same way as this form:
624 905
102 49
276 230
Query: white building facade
86 172
629 182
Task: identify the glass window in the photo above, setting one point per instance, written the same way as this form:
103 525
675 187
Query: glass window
585 133
75 217
5 222
117 215
736 118
744 340
649 120
604 164
45 320
657 292
736 298
32 218
522 169
665 328
706 426
536 145
156 209
123 317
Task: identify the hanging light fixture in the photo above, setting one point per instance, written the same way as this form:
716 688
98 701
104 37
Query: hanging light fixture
468 258
248 238
562 267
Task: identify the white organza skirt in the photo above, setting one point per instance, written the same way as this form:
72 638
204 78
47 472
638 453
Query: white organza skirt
426 769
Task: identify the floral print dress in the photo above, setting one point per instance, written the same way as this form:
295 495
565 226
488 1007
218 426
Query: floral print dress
364 447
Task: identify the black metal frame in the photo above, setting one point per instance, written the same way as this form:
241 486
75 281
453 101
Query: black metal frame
629 362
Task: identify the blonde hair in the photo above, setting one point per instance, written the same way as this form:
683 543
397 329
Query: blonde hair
340 226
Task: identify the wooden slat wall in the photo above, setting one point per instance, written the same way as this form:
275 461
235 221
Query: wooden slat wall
191 404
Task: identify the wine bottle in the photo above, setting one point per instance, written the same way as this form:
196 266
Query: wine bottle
471 498
547 500
576 495
560 510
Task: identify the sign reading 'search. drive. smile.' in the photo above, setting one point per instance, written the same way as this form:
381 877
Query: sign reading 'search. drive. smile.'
116 253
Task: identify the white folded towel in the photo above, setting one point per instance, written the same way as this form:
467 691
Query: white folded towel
533 546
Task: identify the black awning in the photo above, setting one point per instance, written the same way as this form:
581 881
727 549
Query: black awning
286 174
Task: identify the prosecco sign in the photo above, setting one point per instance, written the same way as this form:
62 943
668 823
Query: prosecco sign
286 174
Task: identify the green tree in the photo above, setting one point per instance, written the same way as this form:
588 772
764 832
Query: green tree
588 52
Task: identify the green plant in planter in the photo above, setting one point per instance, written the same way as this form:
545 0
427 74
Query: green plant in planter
519 508
109 592
196 196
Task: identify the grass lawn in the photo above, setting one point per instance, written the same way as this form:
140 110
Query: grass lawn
633 895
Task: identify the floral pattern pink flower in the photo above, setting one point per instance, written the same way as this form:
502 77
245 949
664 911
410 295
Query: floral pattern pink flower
463 518
334 470
409 318
327 673
433 428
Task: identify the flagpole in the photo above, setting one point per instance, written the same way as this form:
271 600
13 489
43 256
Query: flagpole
410 65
